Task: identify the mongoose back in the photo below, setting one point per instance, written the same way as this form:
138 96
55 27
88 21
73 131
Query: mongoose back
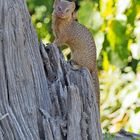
68 31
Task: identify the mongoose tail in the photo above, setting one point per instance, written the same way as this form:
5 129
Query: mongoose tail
95 78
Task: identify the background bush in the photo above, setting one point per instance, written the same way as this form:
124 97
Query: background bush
115 25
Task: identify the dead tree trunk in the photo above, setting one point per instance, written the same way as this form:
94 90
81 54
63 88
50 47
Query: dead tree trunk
41 96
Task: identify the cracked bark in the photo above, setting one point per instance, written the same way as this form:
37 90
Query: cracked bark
42 97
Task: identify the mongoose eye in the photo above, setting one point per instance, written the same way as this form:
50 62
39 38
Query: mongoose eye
59 8
67 10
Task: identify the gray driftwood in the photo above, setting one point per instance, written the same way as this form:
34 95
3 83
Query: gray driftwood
41 96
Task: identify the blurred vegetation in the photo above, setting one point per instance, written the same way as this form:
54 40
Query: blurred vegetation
115 25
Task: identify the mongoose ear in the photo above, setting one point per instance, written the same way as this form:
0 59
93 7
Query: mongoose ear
56 2
73 6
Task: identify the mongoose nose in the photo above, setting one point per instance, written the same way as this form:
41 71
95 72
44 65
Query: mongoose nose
59 8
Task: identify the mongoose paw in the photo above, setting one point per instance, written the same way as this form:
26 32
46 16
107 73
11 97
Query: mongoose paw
75 67
72 62
54 43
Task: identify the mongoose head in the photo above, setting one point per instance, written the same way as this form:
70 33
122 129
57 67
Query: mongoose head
63 9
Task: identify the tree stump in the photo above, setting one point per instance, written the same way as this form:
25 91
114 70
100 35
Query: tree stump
42 96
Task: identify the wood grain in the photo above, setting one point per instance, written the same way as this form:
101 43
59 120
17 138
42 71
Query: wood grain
41 96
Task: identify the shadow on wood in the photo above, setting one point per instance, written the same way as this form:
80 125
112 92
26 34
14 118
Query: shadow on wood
72 93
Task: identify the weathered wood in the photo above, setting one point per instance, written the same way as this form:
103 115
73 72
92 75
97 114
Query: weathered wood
73 98
42 97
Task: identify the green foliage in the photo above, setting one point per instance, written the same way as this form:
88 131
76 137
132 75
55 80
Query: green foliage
41 17
108 136
115 26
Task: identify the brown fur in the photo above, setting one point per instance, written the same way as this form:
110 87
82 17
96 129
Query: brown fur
77 37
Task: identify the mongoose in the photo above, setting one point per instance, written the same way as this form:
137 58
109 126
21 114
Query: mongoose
68 31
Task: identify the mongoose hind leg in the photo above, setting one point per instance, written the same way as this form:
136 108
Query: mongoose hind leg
74 65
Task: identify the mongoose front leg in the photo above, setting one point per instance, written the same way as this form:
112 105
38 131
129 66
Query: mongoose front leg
57 42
